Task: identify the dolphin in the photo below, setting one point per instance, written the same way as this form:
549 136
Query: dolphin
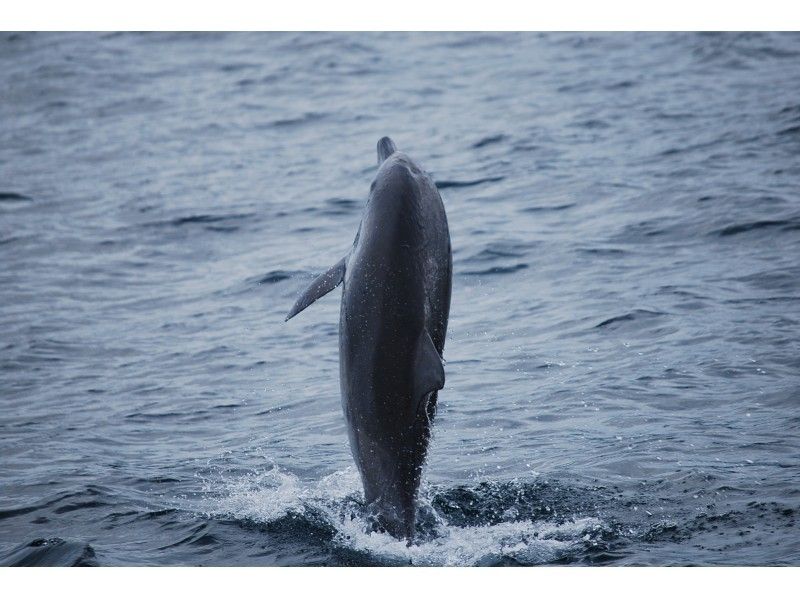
397 280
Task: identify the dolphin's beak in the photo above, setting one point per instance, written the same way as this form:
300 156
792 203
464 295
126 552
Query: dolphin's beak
386 148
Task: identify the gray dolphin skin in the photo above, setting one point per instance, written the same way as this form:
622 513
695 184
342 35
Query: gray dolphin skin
395 305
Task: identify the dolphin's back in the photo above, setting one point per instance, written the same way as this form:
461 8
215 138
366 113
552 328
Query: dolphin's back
400 269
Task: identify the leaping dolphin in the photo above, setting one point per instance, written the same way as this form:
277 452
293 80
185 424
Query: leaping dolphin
395 305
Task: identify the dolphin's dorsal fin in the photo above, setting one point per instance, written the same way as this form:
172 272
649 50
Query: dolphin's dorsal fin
428 370
322 285
386 148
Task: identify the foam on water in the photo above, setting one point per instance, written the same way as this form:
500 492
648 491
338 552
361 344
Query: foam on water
267 495
523 541
336 501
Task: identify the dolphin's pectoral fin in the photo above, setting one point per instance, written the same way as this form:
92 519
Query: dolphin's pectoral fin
429 371
322 285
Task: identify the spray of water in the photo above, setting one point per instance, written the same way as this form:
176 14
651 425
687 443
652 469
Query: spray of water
336 501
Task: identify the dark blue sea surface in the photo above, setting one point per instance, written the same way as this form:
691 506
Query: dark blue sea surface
623 357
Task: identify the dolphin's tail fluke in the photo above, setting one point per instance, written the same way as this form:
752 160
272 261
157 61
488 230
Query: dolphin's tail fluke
386 148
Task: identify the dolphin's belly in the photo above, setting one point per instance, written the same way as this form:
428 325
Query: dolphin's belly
397 286
382 315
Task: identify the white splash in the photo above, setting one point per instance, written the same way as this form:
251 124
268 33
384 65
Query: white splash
269 495
524 541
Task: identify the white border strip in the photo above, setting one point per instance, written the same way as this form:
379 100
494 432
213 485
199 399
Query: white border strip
612 582
427 15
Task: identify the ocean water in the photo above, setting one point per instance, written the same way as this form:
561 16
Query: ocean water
623 357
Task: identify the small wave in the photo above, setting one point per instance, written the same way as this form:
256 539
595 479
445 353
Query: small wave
149 417
550 208
88 496
501 250
303 119
206 219
593 123
497 270
129 106
626 84
793 110
10 196
277 276
52 552
198 536
210 222
603 251
491 140
782 279
285 407
340 206
79 506
157 480
474 40
235 67
736 229
637 315
790 131
471 183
